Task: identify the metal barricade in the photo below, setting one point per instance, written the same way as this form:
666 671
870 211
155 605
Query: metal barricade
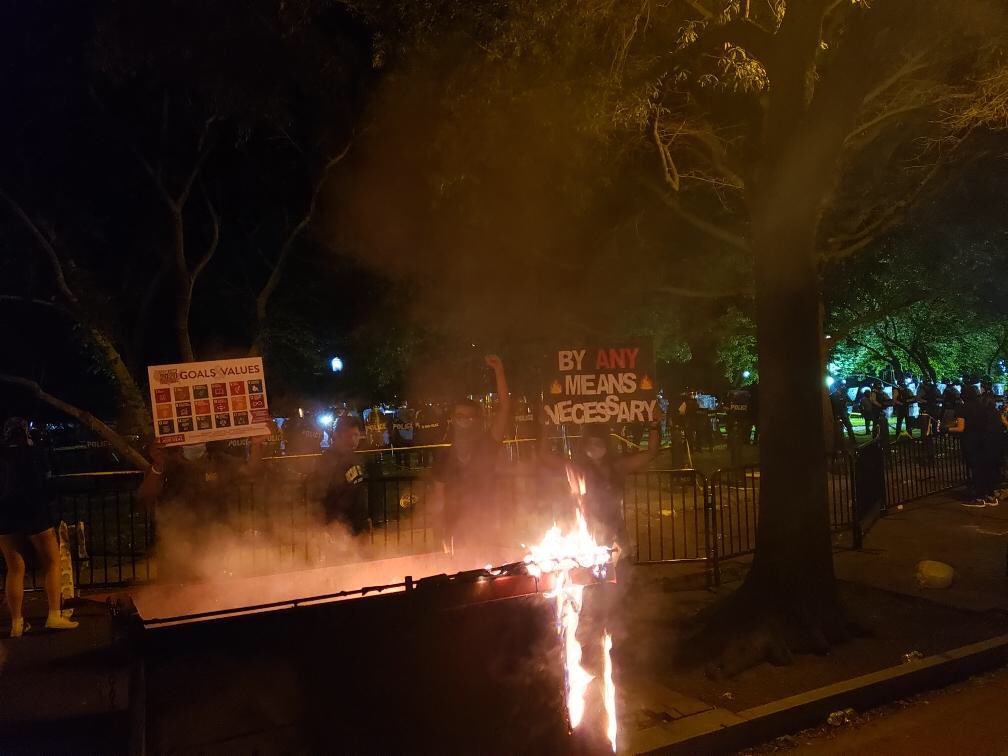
665 515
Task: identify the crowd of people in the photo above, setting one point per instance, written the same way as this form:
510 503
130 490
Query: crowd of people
974 412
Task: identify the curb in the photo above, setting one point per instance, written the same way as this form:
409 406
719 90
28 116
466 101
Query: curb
720 731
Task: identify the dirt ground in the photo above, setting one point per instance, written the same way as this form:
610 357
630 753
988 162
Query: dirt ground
659 624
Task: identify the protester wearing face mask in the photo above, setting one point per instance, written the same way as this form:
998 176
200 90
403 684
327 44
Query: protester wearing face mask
465 474
191 491
604 472
26 524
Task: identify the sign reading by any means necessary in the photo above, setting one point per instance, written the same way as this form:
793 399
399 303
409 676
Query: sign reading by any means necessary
194 402
601 385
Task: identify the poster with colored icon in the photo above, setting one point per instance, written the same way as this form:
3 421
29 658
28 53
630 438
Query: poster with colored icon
194 402
613 385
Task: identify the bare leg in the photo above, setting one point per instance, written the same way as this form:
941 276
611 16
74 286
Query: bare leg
14 584
48 550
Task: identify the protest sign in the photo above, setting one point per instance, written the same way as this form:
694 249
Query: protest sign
194 402
601 385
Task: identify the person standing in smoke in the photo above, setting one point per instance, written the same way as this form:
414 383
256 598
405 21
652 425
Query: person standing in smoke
604 473
190 490
340 477
464 475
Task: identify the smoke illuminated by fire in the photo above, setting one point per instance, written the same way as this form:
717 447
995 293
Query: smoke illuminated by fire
557 555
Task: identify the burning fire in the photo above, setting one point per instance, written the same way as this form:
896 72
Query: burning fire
558 554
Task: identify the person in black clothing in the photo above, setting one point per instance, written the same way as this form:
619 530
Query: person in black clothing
465 474
340 476
902 398
841 415
689 419
881 402
738 422
754 410
951 401
980 426
26 523
930 407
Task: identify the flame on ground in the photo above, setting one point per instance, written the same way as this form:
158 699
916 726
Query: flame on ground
609 690
557 554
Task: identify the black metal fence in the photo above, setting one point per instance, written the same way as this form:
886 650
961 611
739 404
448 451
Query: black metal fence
680 515
670 515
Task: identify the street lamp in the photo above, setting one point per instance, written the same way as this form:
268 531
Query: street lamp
746 373
336 365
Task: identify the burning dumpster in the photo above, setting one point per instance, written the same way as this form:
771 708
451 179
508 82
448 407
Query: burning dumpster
400 655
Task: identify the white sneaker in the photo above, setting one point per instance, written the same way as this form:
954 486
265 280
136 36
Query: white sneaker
19 628
975 504
59 622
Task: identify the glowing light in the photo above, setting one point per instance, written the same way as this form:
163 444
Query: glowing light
830 380
325 419
336 365
746 373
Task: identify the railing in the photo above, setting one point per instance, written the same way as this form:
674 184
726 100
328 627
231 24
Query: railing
670 515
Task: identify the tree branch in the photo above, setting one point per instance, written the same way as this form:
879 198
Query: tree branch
86 418
669 171
155 176
214 239
711 229
262 300
882 117
741 32
45 244
846 246
873 317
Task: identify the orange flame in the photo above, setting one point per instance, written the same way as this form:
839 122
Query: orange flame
557 554
609 689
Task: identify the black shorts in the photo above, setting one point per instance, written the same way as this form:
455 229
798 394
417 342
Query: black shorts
20 517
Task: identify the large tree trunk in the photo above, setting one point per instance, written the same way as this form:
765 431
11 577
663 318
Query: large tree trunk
793 567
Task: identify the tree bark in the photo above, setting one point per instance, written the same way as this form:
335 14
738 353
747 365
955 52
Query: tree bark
183 289
793 566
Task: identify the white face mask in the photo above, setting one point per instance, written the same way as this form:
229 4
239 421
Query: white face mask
194 452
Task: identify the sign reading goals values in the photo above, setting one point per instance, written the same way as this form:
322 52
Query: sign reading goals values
601 385
195 402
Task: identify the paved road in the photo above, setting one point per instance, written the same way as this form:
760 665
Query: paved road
968 718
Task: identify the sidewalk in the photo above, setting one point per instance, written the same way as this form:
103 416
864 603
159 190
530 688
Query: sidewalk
973 541
62 691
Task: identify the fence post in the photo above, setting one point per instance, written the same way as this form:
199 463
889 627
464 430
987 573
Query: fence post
713 564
